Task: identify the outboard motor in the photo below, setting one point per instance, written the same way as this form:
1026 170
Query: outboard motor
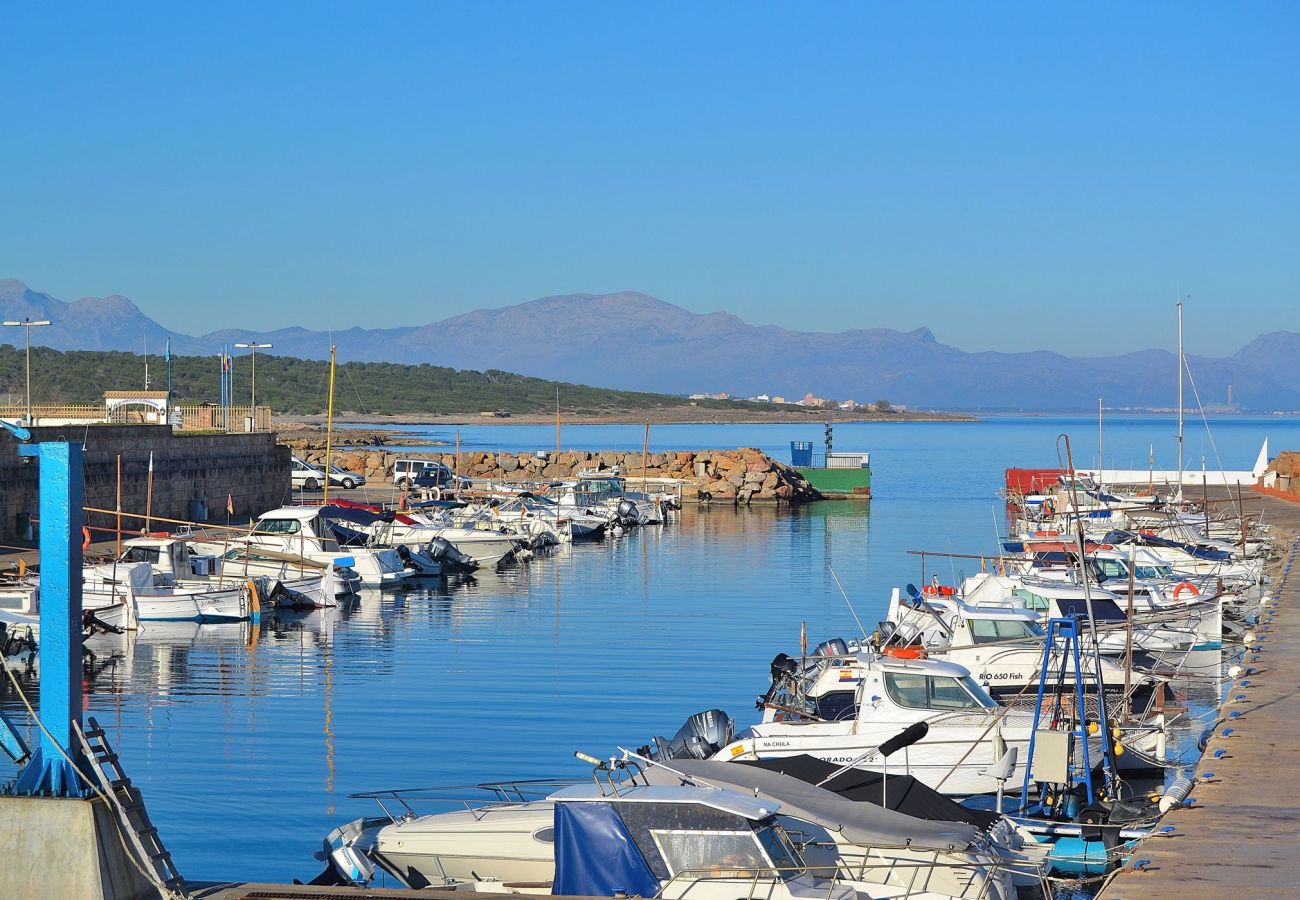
443 551
833 647
703 735
404 554
627 514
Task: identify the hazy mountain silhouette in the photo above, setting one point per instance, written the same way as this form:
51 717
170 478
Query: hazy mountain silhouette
634 341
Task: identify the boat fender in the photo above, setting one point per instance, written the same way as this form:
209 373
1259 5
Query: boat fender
1186 586
1176 793
85 538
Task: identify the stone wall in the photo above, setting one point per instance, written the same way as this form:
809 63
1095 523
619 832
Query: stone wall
741 476
249 468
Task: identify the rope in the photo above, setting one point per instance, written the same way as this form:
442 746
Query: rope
151 877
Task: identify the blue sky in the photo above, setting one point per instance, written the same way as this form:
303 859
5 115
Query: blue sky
970 167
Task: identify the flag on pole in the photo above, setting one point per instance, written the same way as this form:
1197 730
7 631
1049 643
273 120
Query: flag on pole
230 505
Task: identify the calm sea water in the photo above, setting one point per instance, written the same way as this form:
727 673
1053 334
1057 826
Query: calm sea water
246 742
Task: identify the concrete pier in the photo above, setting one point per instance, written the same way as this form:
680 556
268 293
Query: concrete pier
1241 838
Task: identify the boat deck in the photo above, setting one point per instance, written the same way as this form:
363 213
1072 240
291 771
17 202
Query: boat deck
1242 835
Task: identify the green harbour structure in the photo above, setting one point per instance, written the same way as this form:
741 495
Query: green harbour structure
844 475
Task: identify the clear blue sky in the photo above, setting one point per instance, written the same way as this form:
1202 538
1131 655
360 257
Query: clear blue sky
971 167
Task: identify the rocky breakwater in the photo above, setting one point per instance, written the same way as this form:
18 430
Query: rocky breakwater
718 476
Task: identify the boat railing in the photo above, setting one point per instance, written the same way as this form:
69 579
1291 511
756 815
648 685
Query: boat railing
401 803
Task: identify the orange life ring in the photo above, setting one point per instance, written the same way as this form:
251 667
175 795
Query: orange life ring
913 652
1186 586
85 538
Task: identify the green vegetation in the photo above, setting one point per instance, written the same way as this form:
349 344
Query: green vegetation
299 386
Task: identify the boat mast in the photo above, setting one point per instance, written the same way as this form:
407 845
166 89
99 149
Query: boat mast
329 429
1180 401
1100 463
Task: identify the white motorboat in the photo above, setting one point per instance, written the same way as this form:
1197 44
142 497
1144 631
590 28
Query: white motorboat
595 839
1002 647
300 532
843 704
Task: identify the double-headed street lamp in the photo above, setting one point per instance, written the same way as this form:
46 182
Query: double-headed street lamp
27 324
254 346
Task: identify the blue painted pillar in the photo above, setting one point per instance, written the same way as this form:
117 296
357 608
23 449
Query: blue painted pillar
48 772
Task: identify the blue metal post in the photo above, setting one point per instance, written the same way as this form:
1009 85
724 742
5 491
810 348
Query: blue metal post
48 772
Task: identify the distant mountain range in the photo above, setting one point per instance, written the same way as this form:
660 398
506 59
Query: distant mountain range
632 341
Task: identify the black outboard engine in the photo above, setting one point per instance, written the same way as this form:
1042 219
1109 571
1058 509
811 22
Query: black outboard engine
452 560
404 554
627 514
703 735
833 647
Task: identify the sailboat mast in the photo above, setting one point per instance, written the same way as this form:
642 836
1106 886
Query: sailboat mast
1180 401
1100 459
329 430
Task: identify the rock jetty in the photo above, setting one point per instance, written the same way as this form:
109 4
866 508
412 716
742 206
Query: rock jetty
739 476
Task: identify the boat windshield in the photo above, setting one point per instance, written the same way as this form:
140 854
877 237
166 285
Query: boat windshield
917 691
780 850
987 631
1030 600
1154 572
140 554
277 526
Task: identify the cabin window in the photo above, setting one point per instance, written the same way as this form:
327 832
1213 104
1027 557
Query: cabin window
916 691
1031 600
837 706
715 854
645 821
141 555
1154 572
1113 568
987 631
544 835
278 526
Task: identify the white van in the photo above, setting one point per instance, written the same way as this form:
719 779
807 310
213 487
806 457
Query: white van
405 470
306 477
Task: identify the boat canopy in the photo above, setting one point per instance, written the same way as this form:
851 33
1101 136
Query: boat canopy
595 856
865 824
902 793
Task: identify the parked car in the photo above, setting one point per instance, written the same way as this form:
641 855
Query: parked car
345 479
306 477
436 475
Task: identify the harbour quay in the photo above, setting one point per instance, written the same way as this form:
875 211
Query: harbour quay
1239 836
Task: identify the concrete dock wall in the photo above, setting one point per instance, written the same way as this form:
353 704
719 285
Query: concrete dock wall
251 468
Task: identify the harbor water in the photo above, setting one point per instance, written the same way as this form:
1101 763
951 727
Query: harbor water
246 741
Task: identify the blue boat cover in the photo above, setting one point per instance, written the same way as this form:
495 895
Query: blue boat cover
595 856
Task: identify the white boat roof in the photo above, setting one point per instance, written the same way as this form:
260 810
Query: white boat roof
149 542
300 513
916 666
728 801
1065 590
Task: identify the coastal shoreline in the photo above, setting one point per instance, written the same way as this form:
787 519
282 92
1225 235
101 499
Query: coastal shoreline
665 417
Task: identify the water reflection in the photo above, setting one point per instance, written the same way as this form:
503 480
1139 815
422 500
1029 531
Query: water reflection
247 739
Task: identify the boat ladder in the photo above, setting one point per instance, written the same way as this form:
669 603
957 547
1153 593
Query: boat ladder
129 805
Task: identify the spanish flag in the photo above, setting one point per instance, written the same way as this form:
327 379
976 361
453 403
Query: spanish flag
230 505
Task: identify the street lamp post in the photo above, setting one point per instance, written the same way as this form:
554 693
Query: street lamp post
27 324
254 346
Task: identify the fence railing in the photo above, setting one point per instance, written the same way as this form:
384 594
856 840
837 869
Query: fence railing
193 418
